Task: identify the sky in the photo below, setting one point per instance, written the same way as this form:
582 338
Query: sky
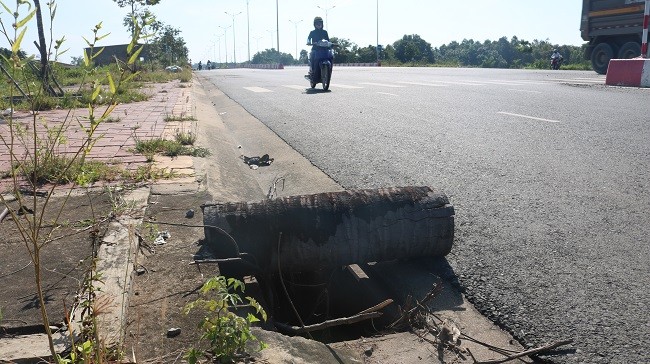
207 25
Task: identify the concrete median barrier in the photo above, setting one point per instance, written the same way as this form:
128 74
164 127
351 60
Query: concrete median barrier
634 72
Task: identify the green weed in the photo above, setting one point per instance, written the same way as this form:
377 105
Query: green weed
225 331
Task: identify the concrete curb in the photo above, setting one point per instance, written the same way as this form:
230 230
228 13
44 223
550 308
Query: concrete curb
634 72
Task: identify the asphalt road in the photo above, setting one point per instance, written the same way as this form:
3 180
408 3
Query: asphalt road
548 172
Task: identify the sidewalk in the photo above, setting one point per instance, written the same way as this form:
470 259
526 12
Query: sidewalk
117 137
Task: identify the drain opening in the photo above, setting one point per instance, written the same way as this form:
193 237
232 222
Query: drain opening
330 303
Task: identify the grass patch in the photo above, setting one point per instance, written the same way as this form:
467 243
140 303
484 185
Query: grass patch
170 148
59 169
184 138
149 173
179 118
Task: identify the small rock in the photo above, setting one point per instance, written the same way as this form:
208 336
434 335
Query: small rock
189 214
140 271
173 332
368 351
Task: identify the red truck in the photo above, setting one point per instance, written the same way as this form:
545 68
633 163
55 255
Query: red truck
613 29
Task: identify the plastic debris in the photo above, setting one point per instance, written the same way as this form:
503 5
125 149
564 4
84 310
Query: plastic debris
162 238
262 161
173 332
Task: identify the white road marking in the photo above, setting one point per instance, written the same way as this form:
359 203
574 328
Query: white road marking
295 87
467 83
422 84
506 83
528 117
338 85
386 93
257 89
381 84
577 80
529 91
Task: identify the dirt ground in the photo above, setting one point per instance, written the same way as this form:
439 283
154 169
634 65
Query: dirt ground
167 282
64 260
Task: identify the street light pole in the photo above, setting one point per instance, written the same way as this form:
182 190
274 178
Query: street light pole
271 32
248 25
326 10
295 24
377 32
234 44
277 23
258 43
225 40
219 48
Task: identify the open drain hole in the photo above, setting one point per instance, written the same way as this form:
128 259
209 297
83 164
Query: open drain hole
327 301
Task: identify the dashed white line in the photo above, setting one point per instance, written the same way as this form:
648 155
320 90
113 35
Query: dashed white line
386 93
337 85
422 84
506 83
528 117
381 84
466 83
529 91
257 89
295 87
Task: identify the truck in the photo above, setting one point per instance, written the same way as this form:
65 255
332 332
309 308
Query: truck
613 29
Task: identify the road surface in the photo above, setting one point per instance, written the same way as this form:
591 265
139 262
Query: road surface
548 172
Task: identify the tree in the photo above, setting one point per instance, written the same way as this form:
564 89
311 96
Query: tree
367 54
272 56
345 52
146 19
168 47
138 7
412 48
42 49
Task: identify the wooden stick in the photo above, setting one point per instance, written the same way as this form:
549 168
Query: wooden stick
528 352
329 323
377 307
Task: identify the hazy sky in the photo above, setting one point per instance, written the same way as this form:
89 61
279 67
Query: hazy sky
438 22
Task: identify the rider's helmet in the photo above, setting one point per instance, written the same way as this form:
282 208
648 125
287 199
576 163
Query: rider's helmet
555 50
318 20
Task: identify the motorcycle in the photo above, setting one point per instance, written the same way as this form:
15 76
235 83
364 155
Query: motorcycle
324 60
555 63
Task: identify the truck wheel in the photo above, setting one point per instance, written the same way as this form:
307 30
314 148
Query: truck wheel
600 57
629 50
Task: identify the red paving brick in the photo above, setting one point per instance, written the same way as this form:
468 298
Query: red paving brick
116 140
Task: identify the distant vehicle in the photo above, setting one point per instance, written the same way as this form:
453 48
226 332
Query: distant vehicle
173 69
613 29
556 63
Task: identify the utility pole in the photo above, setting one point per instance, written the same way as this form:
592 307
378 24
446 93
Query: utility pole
234 44
248 25
295 24
277 23
225 41
326 10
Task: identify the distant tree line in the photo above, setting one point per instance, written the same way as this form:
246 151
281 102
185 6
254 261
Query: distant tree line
412 50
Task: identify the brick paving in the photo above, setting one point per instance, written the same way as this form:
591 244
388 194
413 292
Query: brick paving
117 137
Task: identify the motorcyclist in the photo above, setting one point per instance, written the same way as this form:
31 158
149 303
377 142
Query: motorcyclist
316 35
556 55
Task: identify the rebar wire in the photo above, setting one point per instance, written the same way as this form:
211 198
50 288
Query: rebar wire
286 292
16 271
